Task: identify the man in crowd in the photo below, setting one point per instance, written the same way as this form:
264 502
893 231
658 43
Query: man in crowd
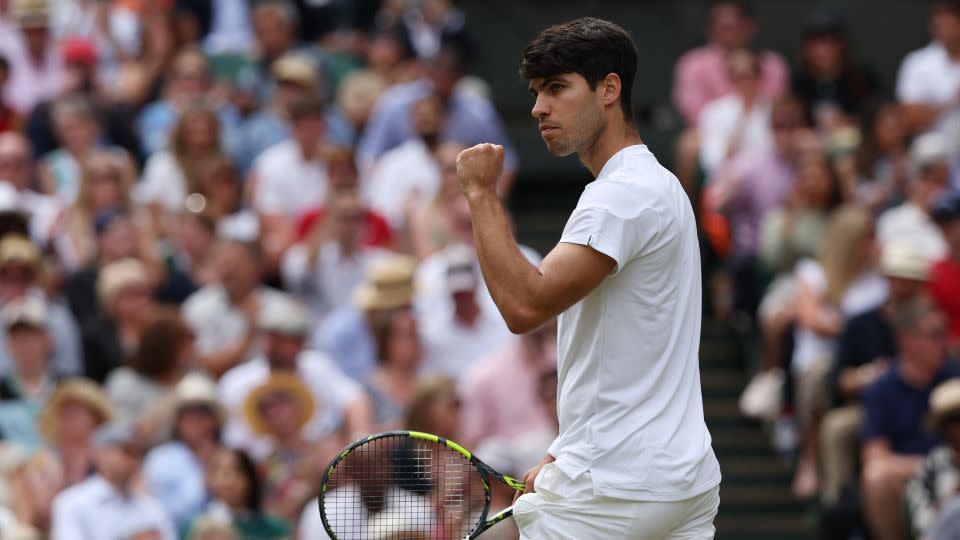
107 504
343 410
224 314
894 436
910 222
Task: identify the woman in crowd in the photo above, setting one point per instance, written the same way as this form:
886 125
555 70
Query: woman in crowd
237 498
399 352
435 407
105 185
141 391
68 422
170 176
174 471
841 283
881 159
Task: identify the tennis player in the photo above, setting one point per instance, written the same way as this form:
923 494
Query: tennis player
633 458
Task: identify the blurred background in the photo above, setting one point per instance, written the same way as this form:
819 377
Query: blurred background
232 240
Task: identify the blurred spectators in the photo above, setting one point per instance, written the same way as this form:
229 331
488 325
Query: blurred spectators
910 222
702 76
107 504
392 382
175 471
223 315
343 409
865 349
37 63
945 275
237 498
927 84
141 390
896 405
882 159
21 277
931 495
828 79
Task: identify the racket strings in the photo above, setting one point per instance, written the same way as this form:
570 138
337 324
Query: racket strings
398 488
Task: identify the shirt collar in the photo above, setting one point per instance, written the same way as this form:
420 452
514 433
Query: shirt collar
616 159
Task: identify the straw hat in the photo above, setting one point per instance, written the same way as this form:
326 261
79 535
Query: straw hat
295 68
903 261
284 315
31 13
286 383
79 390
16 248
197 389
117 275
944 402
389 284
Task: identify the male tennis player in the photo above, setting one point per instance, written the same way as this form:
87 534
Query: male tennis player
633 459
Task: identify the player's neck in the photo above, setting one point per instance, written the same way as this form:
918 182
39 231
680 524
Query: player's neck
616 137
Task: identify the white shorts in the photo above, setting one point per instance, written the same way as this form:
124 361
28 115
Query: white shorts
568 509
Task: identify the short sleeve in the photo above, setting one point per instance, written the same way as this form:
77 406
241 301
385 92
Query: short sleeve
621 239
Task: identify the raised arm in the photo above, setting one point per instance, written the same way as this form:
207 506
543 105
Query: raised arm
526 295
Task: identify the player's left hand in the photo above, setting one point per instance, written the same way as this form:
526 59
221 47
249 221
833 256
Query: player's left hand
479 168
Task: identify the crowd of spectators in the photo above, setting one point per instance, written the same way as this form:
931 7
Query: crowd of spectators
232 240
830 211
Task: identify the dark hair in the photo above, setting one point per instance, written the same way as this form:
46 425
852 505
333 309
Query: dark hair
249 470
951 5
909 315
160 342
745 7
592 48
4 63
252 248
307 107
383 327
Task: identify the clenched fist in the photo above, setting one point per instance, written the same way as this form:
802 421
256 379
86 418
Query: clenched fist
479 168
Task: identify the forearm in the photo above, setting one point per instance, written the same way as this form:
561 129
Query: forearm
510 278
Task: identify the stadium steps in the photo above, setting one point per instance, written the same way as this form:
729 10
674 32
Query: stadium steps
755 498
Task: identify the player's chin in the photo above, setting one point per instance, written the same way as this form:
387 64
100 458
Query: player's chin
558 149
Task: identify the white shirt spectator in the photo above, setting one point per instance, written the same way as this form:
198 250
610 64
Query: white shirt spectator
629 400
162 183
286 183
452 348
929 76
719 121
216 322
407 170
331 282
910 225
332 390
95 510
865 293
348 525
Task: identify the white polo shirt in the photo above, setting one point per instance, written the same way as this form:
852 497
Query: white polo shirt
629 400
929 76
287 183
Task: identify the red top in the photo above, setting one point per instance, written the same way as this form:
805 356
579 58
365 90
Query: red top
945 290
378 233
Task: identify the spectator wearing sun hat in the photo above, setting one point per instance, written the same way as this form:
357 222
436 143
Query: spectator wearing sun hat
68 423
945 275
342 407
937 484
175 471
21 274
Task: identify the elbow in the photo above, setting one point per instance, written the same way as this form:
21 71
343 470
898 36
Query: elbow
522 321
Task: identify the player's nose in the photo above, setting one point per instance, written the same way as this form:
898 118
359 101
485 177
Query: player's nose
540 108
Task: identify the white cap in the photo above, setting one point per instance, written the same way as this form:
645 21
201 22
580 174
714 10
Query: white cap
928 149
284 315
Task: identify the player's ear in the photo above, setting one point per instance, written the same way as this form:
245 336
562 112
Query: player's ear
610 87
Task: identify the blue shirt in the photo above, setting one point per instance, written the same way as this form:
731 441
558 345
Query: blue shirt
471 119
175 477
157 119
345 337
897 411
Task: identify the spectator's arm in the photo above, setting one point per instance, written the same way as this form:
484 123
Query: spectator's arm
878 450
814 314
358 418
913 91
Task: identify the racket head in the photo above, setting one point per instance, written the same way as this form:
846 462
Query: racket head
404 485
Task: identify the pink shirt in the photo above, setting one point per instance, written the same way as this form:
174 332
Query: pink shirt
30 83
500 398
701 77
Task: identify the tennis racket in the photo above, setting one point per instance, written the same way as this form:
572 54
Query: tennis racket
408 485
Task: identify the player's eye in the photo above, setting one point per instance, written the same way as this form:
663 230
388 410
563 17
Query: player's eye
555 88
